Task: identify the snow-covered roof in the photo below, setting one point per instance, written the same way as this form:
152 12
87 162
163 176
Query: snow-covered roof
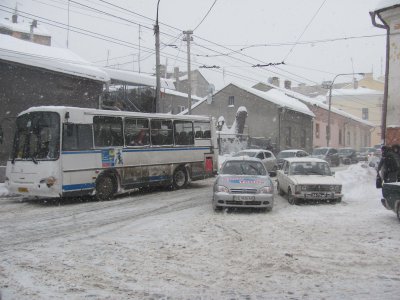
279 98
322 105
386 3
24 27
180 94
138 78
355 92
51 58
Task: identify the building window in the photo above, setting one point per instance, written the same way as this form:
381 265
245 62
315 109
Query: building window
340 137
303 138
317 130
365 113
181 108
348 137
288 136
231 101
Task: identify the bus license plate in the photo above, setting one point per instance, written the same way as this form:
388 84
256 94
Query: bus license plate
245 198
22 189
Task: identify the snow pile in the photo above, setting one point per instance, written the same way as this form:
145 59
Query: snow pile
3 190
358 180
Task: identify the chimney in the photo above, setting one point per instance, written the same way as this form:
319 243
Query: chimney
176 77
15 18
355 83
274 81
288 84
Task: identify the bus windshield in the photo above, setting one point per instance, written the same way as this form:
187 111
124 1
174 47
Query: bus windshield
37 137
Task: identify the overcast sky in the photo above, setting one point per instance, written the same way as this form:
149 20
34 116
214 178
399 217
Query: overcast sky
333 36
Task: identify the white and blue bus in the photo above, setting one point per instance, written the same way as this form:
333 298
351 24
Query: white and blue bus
68 151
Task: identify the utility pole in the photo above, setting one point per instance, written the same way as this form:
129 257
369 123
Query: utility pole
158 80
139 48
189 38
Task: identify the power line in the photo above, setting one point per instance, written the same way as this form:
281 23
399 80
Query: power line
205 15
305 29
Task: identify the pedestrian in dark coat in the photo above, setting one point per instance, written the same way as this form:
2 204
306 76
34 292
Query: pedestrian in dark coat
388 166
396 152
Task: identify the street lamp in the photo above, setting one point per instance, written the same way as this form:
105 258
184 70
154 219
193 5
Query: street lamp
158 80
328 133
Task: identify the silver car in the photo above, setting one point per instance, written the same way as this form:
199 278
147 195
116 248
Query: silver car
266 156
243 182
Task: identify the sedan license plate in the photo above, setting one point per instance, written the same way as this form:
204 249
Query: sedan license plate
321 195
244 198
22 189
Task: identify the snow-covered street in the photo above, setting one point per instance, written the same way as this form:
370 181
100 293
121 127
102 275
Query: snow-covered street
170 244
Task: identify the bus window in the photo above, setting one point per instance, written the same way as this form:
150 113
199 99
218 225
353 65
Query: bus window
161 132
37 136
183 131
107 131
202 130
137 132
77 137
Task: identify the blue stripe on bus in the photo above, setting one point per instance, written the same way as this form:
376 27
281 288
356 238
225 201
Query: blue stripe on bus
164 149
136 150
81 186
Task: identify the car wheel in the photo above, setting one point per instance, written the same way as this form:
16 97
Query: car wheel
216 207
105 187
180 178
291 199
398 211
280 191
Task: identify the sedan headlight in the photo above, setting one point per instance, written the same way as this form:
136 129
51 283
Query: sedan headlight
266 190
223 189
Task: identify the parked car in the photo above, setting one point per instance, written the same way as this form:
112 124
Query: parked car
308 178
329 154
391 197
243 182
289 153
267 158
348 156
365 153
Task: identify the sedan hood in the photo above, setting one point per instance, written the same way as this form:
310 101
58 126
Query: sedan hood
240 181
314 179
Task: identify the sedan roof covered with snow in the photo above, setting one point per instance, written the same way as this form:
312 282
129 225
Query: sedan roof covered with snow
51 58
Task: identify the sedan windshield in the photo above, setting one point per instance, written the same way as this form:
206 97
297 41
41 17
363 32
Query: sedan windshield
345 151
310 168
320 151
245 153
243 168
286 154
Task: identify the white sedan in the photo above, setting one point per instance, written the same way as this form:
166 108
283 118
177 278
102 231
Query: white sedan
266 157
306 178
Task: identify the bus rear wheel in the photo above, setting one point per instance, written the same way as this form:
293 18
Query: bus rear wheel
105 187
180 178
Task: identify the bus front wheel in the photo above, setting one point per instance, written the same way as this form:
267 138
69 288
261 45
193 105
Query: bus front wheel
105 187
180 178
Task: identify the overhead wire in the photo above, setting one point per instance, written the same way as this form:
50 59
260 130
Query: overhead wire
230 73
305 29
215 1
